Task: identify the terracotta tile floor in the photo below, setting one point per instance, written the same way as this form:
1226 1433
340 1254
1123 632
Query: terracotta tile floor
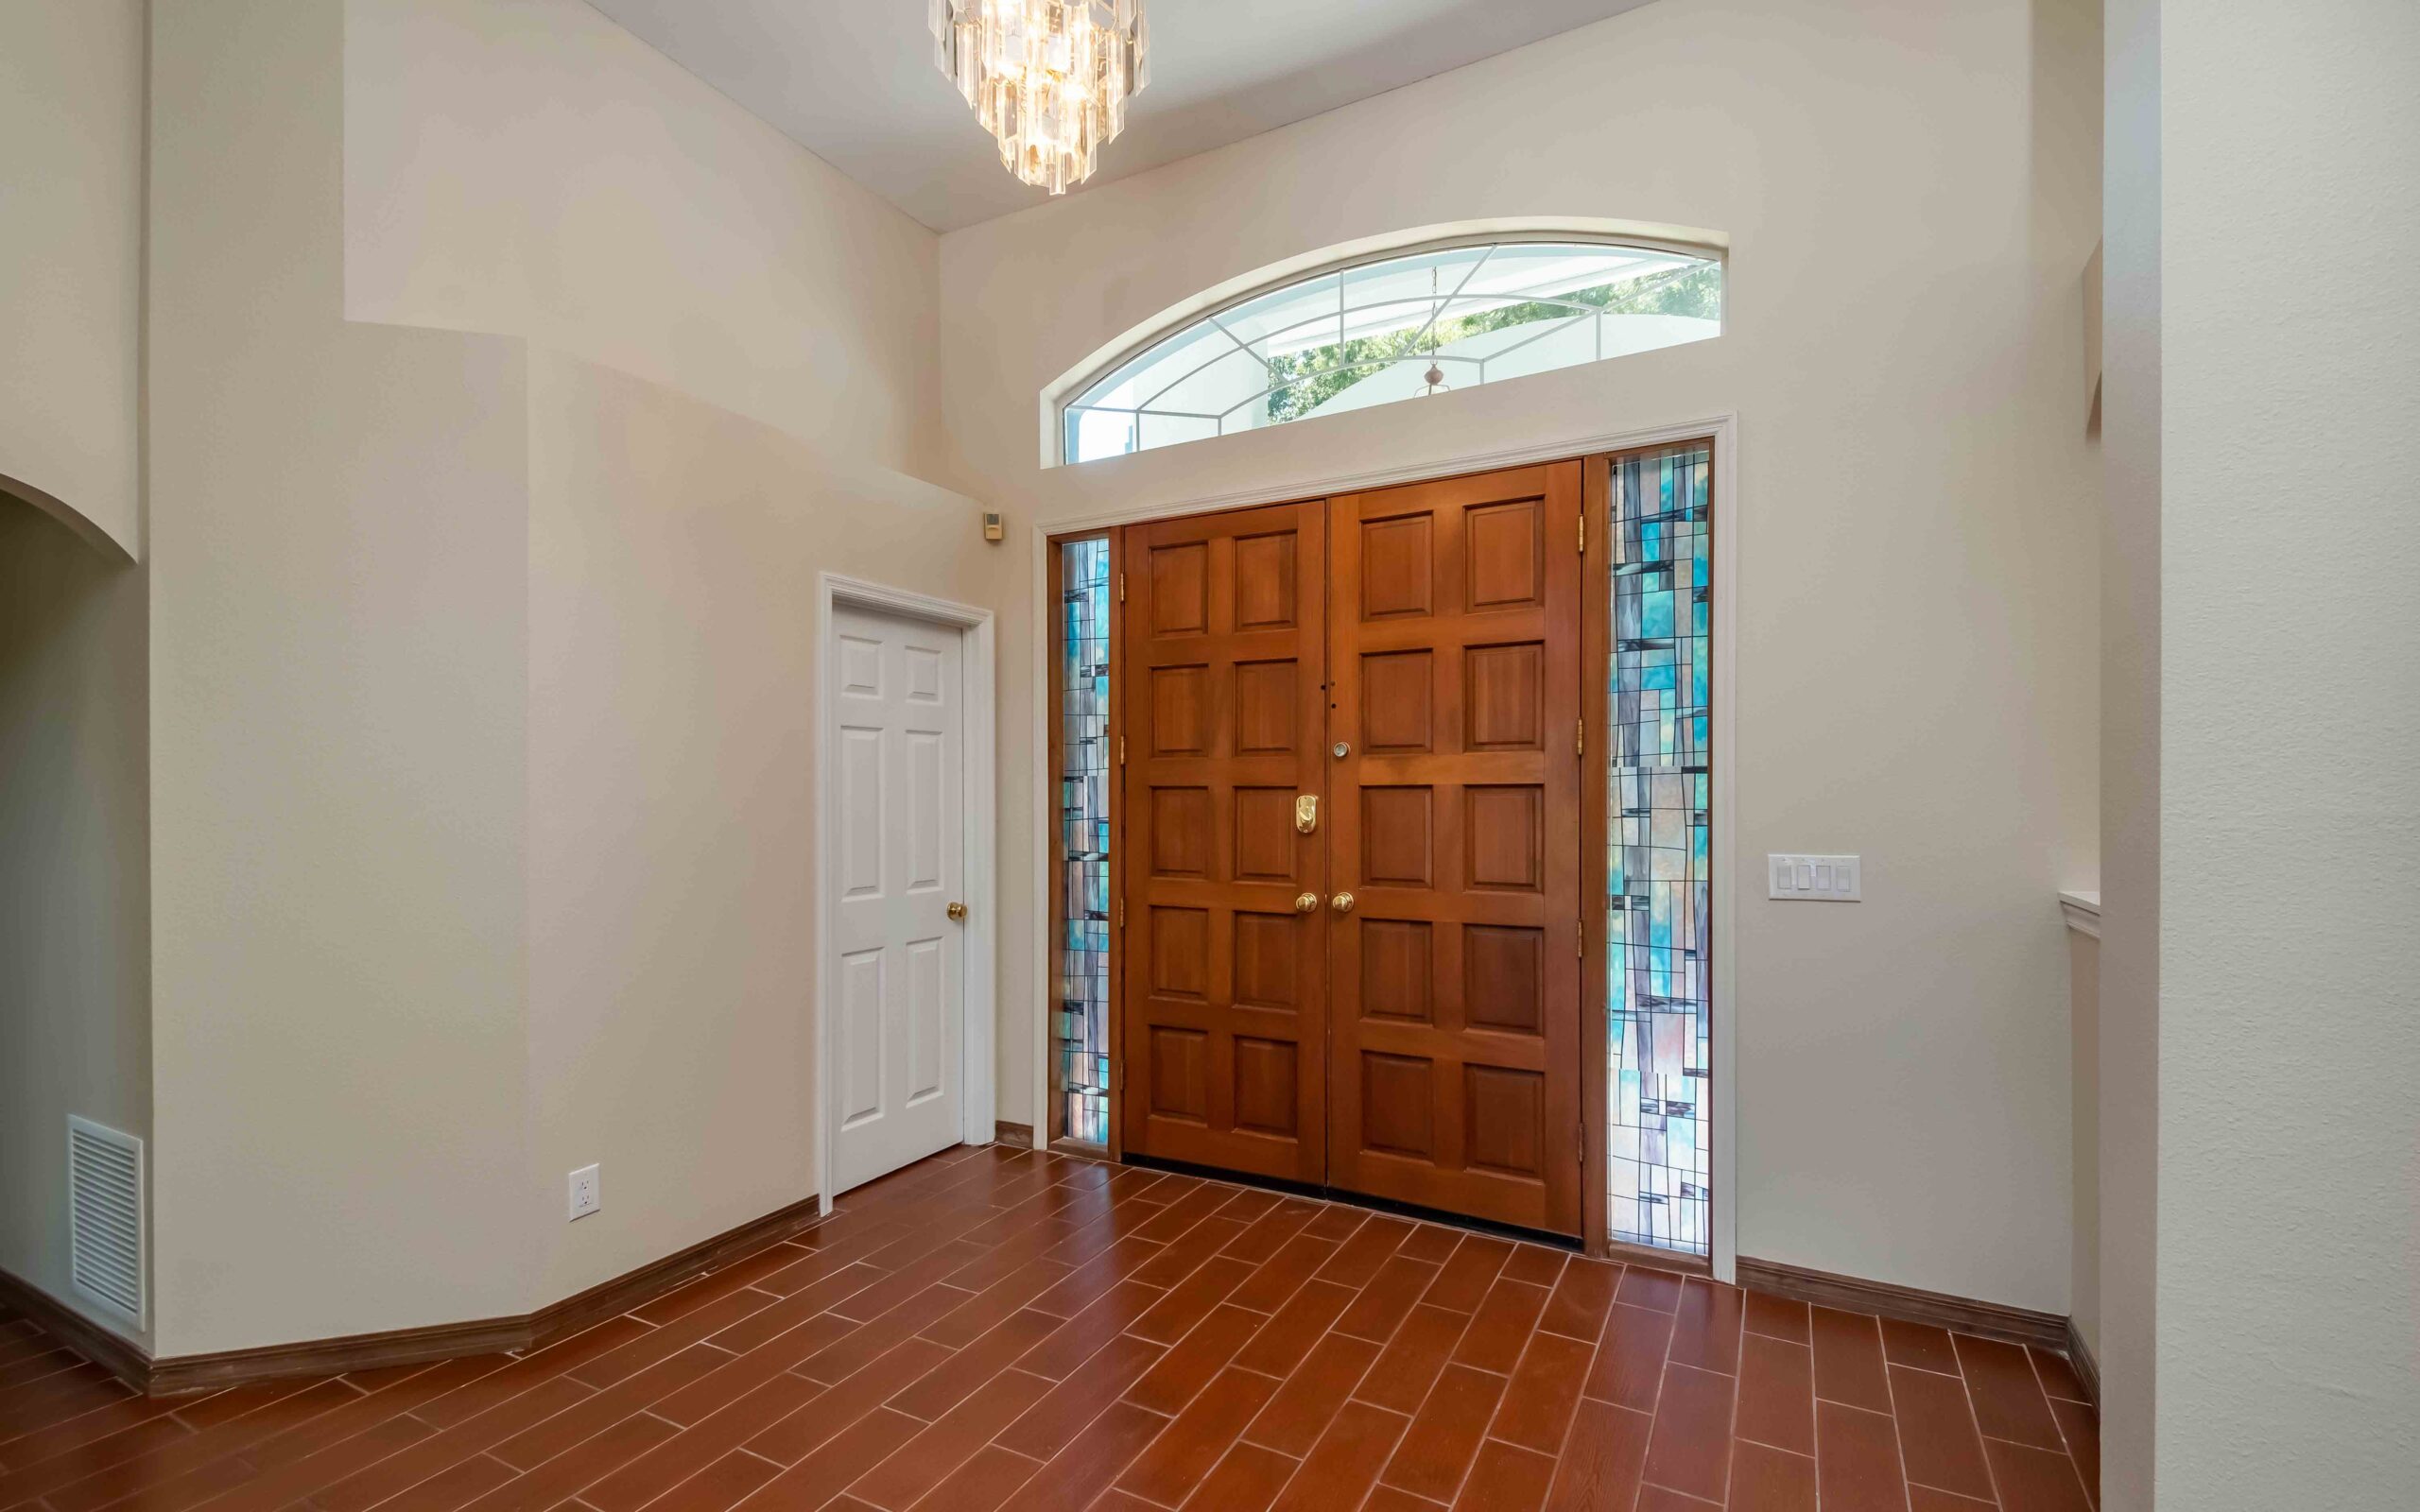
990 1329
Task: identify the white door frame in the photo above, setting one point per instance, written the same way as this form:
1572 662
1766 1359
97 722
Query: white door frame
1725 430
979 672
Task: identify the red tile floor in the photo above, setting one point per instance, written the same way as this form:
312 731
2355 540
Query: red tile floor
992 1329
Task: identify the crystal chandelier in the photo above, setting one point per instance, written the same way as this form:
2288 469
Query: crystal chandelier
1048 79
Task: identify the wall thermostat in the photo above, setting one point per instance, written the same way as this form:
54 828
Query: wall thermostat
991 530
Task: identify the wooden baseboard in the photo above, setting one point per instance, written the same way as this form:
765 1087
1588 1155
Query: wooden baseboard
634 1288
1019 1135
183 1374
1651 1257
2087 1368
177 1375
1960 1314
112 1351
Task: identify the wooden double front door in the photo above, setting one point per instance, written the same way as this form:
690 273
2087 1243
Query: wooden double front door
1351 897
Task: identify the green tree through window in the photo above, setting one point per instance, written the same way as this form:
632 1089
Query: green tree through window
1488 310
1301 382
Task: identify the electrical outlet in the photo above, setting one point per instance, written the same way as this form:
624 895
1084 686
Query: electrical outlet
1827 879
587 1195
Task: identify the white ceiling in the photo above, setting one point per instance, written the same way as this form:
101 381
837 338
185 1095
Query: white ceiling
852 80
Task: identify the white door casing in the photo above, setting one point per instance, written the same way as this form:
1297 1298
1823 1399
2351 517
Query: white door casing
897 1010
1724 431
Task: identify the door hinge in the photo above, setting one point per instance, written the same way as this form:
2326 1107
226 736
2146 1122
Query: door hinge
1579 738
1122 588
1583 532
1121 912
1121 750
1580 940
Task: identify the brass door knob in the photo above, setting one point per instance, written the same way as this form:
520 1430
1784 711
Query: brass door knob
1309 902
1342 902
957 911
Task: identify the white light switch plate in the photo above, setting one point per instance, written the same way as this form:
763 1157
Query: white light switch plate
587 1192
1827 879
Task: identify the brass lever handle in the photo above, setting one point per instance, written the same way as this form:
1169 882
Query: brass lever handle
1306 813
1342 902
1309 902
957 911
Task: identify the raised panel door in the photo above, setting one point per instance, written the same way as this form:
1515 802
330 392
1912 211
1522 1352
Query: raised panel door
1454 989
1223 1023
898 1017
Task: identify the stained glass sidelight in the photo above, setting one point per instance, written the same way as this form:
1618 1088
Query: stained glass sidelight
1658 870
1081 1035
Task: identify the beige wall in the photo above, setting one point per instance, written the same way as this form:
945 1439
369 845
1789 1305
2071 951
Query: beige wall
673 554
71 261
2289 1018
2128 993
339 633
730 353
1911 195
2084 1009
530 168
75 961
481 695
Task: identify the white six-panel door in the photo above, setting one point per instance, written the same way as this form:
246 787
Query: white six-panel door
898 1001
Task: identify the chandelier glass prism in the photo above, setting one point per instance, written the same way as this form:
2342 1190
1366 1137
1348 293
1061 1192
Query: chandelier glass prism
1048 79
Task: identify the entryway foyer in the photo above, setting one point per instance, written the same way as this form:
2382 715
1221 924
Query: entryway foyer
1131 754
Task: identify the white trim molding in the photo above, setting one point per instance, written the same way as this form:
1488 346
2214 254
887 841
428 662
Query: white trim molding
1588 443
1046 837
2082 911
1723 430
979 672
1726 847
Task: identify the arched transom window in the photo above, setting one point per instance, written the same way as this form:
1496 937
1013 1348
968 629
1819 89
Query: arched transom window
1402 327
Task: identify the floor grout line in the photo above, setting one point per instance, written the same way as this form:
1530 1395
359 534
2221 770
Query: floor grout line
1451 1350
1019 1217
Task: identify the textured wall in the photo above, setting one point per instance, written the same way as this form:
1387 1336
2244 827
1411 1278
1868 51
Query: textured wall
2129 996
2289 797
338 534
2083 1008
481 666
632 215
71 262
673 911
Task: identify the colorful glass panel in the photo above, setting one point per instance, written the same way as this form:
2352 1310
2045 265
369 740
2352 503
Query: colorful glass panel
1081 1035
1659 895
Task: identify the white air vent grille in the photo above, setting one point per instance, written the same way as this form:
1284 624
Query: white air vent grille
105 1215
